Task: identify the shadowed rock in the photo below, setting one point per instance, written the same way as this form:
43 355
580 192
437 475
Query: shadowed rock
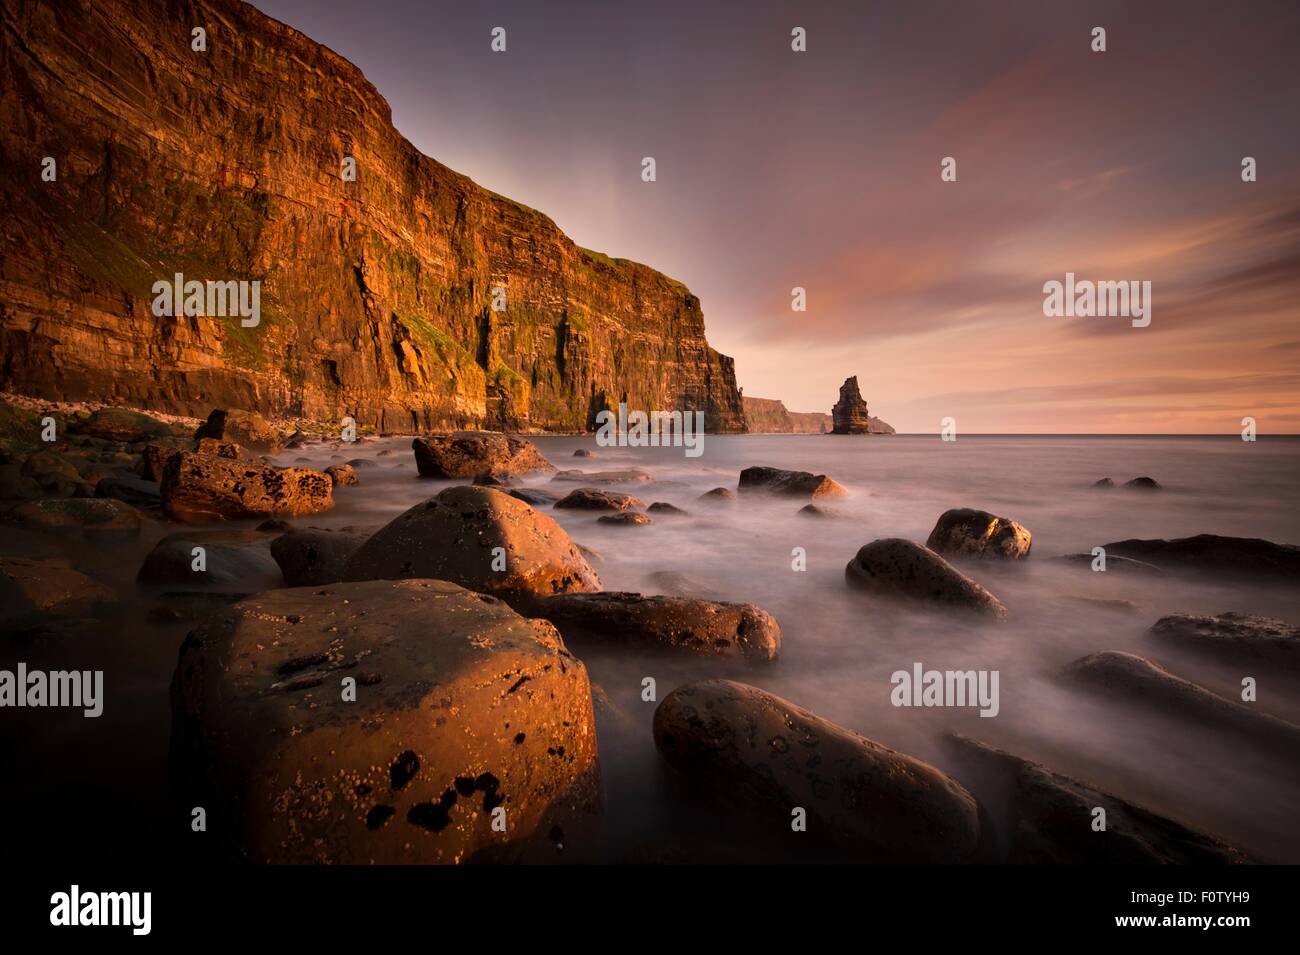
1219 556
779 481
1143 484
662 507
198 488
342 475
146 495
456 535
532 495
754 751
821 511
32 589
461 708
312 556
893 567
239 560
596 499
1235 638
970 533
1047 818
101 517
1136 680
248 429
1117 564
463 454
122 425
705 627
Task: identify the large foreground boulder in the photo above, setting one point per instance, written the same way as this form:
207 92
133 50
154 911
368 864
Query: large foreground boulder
198 487
466 453
1238 638
751 750
704 627
480 538
313 556
894 567
461 708
1232 557
1048 818
966 532
779 481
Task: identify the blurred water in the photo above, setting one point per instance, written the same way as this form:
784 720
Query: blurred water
840 646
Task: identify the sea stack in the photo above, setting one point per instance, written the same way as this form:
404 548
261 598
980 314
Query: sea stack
849 416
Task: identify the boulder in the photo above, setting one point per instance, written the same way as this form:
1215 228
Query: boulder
91 517
628 476
313 556
1103 482
849 415
461 708
1237 638
818 510
495 478
778 481
36 588
533 495
134 491
57 474
224 449
198 487
463 454
248 429
456 535
1143 484
754 751
16 486
584 453
341 475
682 624
718 495
1131 679
1048 818
595 499
231 560
123 426
662 507
893 567
682 585
625 519
967 532
1252 558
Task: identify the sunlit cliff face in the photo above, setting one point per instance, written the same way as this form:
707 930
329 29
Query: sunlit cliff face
821 170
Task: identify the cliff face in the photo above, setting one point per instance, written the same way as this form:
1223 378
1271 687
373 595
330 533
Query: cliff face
376 294
770 416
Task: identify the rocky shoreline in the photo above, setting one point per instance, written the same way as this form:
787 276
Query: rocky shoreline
476 606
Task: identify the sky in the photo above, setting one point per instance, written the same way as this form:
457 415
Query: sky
820 169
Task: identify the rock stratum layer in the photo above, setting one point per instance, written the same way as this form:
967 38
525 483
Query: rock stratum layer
376 294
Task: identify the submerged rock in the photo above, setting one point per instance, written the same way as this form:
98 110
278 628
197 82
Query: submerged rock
461 708
198 488
1235 638
32 589
662 507
968 532
818 511
313 556
625 519
778 481
134 491
1048 819
1143 484
718 495
596 499
1116 564
463 454
480 538
1220 556
533 495
628 476
610 619
99 517
893 567
239 560
756 752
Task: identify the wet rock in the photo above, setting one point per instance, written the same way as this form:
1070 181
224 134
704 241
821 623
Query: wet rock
134 491
584 453
1229 557
1143 484
779 481
495 478
818 511
456 535
342 475
197 488
360 463
893 567
463 454
274 524
239 560
967 532
1047 818
718 495
248 429
683 624
1235 638
314 556
625 519
533 495
1135 680
101 517
1103 482
596 499
662 507
757 752
462 707
627 476
30 589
